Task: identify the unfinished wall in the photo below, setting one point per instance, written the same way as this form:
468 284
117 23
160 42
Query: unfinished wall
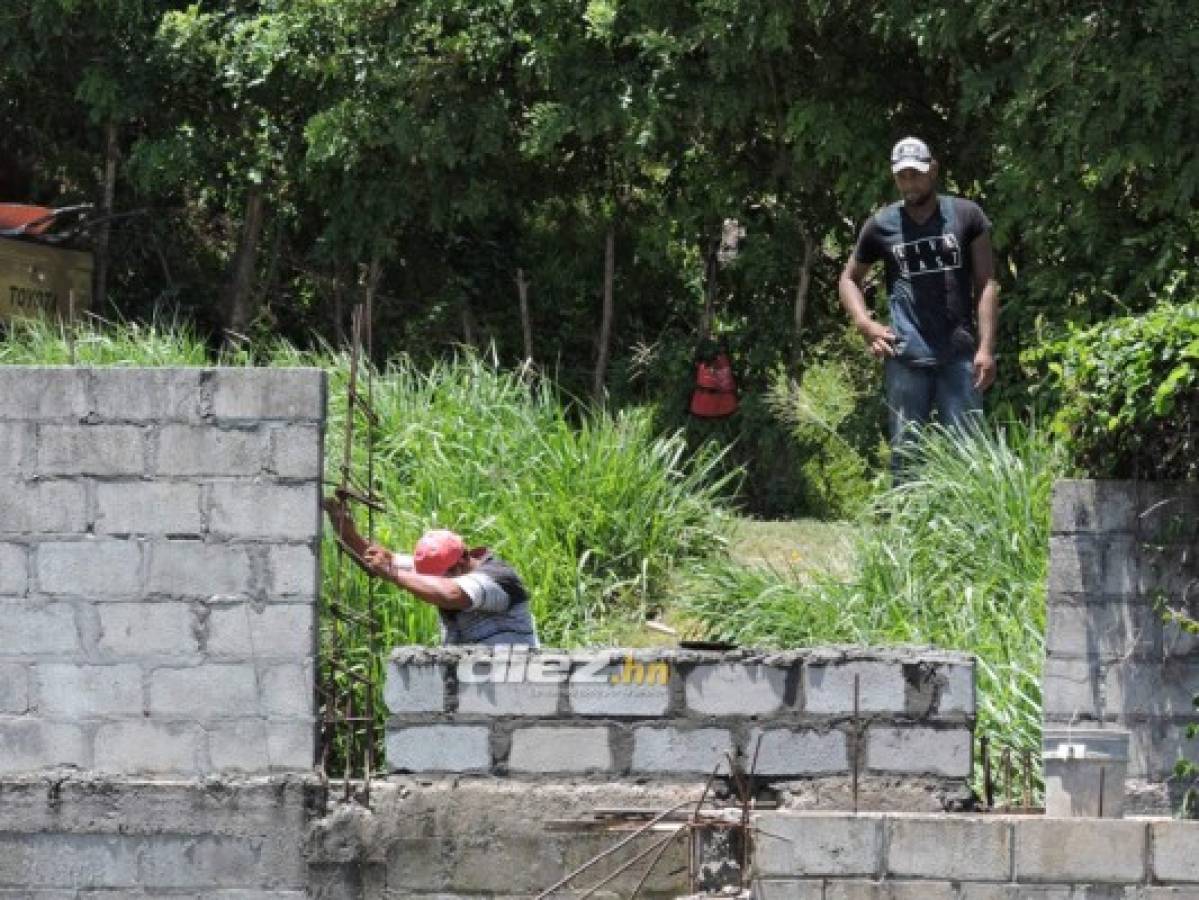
158 569
827 856
1117 550
674 714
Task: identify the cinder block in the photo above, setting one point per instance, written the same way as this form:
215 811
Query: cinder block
1175 851
18 442
980 891
1168 511
735 689
14 570
931 751
147 395
798 751
14 690
150 748
840 845
91 450
259 747
69 860
1093 565
567 749
438 748
1080 850
632 686
1086 505
33 745
199 570
195 861
294 571
789 889
411 688
265 511
1136 688
1101 630
276 631
36 392
82 691
42 507
90 568
498 698
148 507
829 687
288 691
852 889
1071 687
697 750
294 394
957 690
193 450
205 692
296 452
291 746
35 629
147 629
966 849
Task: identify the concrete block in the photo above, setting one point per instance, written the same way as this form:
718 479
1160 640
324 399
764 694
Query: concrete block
69 860
438 748
1080 850
413 688
265 511
201 861
828 688
798 751
697 750
36 629
958 696
33 745
34 392
288 691
14 570
566 749
147 395
1135 688
1161 893
787 889
490 698
148 507
1171 572
149 747
1071 687
42 507
981 891
257 747
852 889
1176 641
294 571
199 570
1085 505
91 450
197 450
276 631
630 686
1175 851
955 849
18 443
946 752
14 690
291 746
294 394
811 844
1101 630
90 568
81 692
1094 565
735 689
144 629
205 692
297 452
1168 511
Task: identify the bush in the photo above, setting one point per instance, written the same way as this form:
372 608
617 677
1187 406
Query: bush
1125 394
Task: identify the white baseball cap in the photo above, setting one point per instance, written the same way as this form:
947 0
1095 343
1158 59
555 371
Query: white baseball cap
911 153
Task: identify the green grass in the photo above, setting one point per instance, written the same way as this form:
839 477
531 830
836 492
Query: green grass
804 547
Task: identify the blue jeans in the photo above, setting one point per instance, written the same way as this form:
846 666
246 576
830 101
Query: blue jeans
913 392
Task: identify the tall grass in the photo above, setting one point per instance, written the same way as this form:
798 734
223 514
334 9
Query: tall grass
955 558
94 342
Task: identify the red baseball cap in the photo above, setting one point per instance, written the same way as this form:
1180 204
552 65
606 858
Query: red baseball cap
437 552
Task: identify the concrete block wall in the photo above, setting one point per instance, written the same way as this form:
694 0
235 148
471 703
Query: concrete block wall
675 714
1117 551
841 856
158 569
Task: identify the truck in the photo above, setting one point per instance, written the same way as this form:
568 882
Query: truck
45 264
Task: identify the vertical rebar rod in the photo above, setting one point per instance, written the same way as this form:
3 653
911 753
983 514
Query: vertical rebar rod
988 783
857 736
1027 760
1007 777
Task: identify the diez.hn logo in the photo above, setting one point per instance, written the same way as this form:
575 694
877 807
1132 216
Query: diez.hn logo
515 665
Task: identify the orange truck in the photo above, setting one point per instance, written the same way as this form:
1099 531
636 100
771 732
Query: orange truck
45 268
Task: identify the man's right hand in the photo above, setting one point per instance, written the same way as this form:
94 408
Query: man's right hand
878 337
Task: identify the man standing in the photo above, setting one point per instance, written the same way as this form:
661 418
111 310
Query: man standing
939 350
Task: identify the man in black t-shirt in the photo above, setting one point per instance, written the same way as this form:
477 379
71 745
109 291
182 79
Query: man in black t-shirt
939 349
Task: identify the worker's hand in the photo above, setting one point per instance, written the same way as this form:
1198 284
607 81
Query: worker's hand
984 370
379 560
878 337
338 514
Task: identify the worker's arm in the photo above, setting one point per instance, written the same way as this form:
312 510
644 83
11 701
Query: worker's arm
987 291
442 592
878 337
343 525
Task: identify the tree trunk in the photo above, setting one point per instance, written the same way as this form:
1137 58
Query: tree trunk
801 292
239 293
468 324
526 326
605 335
705 322
104 236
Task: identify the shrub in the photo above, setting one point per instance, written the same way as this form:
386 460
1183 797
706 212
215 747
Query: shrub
1125 394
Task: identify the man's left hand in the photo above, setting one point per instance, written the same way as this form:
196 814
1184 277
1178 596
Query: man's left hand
984 370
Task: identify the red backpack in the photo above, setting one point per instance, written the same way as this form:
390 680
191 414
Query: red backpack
715 394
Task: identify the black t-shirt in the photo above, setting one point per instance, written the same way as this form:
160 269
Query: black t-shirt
930 280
